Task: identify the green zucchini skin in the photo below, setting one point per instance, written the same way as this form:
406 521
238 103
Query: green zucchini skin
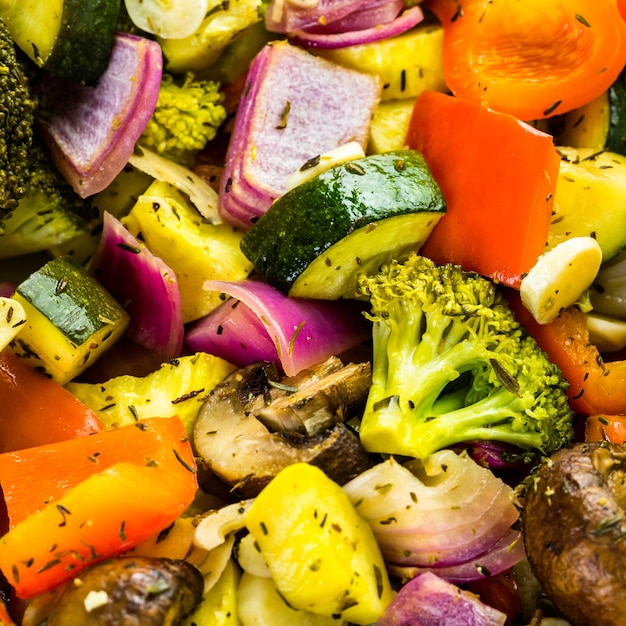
85 41
616 138
74 302
306 221
72 39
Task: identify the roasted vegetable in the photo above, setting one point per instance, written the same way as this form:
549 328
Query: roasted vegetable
452 365
255 423
187 116
323 557
314 240
17 123
574 528
128 591
70 319
70 38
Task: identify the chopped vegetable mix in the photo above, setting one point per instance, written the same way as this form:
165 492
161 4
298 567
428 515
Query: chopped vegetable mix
312 313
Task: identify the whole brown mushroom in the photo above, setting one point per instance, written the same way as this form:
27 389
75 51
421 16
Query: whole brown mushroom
575 532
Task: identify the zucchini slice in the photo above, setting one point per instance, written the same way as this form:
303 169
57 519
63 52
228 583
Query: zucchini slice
316 238
70 319
590 199
69 38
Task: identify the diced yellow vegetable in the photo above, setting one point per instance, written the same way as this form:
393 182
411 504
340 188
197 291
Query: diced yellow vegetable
70 319
322 555
408 63
195 250
588 125
12 318
260 604
178 387
219 603
389 125
560 276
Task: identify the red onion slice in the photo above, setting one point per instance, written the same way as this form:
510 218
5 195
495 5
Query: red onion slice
92 131
504 554
406 20
144 285
434 516
269 326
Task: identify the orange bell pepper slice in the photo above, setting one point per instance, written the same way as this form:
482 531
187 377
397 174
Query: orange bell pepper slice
606 428
596 386
532 59
94 497
35 410
497 175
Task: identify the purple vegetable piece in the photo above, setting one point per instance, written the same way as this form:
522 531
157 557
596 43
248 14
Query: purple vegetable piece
144 285
7 289
287 16
294 107
92 131
428 600
502 555
269 326
328 40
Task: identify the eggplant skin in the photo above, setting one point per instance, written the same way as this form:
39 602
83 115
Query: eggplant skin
575 531
146 591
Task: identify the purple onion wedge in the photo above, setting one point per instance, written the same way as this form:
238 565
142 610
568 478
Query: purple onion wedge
261 323
428 600
144 285
92 131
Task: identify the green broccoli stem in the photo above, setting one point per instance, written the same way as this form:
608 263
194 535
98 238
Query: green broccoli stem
434 370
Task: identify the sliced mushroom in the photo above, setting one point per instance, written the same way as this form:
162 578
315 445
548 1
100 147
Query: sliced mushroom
130 591
254 423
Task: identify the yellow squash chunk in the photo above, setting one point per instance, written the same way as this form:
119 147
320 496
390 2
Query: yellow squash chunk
590 199
322 555
219 603
178 387
195 250
70 319
408 64
389 125
260 604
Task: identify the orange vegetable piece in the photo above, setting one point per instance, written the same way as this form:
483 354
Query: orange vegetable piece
497 175
35 410
596 386
606 428
94 497
531 58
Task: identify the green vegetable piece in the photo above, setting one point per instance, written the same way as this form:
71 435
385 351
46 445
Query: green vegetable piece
69 38
316 238
323 556
187 116
70 319
451 365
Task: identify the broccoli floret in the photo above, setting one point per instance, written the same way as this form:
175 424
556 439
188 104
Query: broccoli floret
187 116
451 365
49 212
17 108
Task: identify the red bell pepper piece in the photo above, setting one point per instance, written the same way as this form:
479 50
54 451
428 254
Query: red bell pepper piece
531 58
35 410
498 176
91 498
596 386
